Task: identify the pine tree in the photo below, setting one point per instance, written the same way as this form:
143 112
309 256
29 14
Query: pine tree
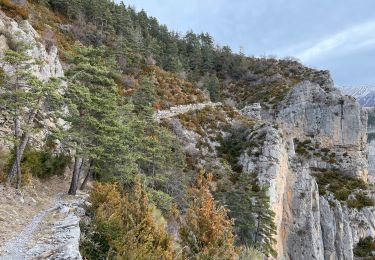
240 201
254 219
23 95
212 84
206 232
265 226
144 98
207 52
92 100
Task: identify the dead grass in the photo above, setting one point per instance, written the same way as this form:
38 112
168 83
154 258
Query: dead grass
14 10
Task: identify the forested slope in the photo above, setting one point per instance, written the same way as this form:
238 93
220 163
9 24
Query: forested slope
219 181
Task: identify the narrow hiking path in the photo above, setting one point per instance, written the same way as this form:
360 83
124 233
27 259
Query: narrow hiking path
52 234
40 221
182 109
18 246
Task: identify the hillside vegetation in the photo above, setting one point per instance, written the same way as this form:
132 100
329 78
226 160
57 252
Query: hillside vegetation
153 197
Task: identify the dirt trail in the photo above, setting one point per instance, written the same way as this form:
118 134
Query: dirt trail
18 246
40 221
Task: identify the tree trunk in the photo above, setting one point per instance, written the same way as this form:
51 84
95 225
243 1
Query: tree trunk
17 146
23 143
78 161
18 162
21 149
87 177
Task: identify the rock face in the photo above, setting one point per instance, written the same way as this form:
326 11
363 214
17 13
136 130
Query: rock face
252 111
334 121
310 226
50 66
12 32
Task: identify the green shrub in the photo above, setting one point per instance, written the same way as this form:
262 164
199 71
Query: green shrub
247 253
342 194
43 164
339 184
303 148
161 199
364 247
361 200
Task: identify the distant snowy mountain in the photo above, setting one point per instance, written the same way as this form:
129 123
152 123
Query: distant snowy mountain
364 94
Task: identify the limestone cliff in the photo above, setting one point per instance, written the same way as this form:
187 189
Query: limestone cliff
312 119
49 66
314 130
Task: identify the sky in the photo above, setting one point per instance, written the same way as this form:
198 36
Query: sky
338 35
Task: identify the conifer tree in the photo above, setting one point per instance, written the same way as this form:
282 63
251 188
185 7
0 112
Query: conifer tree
265 225
207 52
254 219
212 84
206 232
127 226
240 201
23 94
92 100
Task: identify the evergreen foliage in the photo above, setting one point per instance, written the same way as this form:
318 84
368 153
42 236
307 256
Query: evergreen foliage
139 38
22 95
254 220
365 247
123 226
212 85
206 232
92 101
44 163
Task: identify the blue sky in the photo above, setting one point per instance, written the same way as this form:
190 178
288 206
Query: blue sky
338 35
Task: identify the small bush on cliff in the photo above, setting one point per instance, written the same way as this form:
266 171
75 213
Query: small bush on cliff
361 200
364 247
339 184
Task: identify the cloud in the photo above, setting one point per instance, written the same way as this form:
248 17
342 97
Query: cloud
353 39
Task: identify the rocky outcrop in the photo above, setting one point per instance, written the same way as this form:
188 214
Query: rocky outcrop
332 120
49 66
252 111
311 226
12 32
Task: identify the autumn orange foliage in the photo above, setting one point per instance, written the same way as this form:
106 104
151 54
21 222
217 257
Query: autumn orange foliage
206 232
172 90
126 220
14 10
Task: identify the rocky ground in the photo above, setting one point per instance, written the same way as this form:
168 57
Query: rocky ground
40 221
